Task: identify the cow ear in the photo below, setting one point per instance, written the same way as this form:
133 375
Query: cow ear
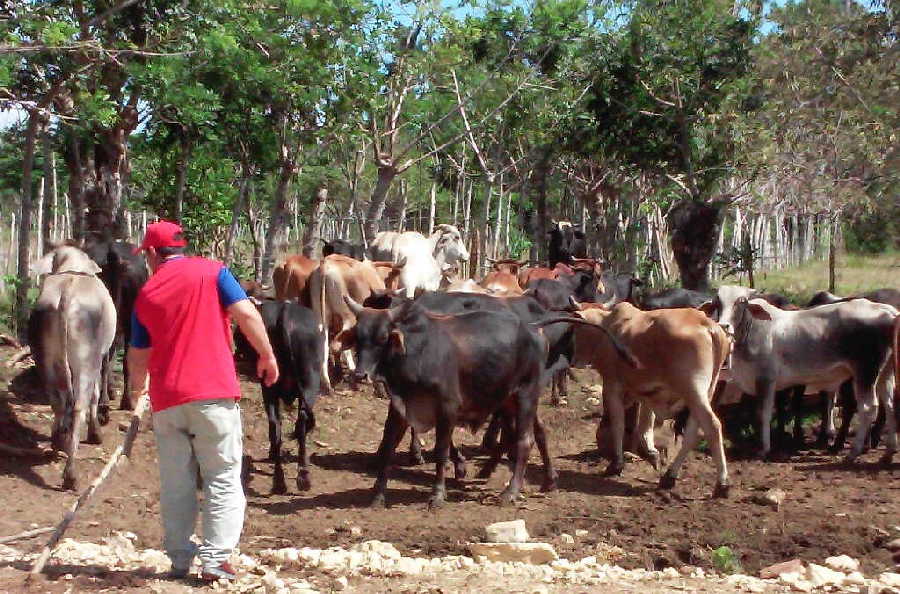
346 338
758 311
396 342
709 308
44 265
94 268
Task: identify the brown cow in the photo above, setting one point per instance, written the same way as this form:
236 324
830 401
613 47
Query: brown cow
390 273
291 279
679 353
337 277
503 279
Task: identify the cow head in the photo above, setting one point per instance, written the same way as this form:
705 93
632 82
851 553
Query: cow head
744 313
448 245
722 307
566 242
66 259
375 338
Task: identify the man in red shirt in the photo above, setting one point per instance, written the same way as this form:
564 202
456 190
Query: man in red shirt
181 342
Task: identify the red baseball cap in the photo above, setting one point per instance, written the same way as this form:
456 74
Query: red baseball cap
162 234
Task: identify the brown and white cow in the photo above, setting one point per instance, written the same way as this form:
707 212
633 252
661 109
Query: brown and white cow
71 328
678 353
337 277
819 347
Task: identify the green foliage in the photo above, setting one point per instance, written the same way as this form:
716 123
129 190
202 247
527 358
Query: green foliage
726 560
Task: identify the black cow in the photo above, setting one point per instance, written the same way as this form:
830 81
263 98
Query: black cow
124 273
675 298
566 243
845 395
556 294
345 248
294 335
444 371
618 287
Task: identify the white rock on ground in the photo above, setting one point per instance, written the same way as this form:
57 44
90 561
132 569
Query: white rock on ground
794 566
526 552
567 538
513 531
819 576
842 563
890 579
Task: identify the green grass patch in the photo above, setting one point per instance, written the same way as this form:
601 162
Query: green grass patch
856 273
725 560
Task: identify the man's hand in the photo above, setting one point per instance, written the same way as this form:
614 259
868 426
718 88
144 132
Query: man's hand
267 370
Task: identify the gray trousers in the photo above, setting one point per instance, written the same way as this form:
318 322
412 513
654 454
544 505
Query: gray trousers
204 435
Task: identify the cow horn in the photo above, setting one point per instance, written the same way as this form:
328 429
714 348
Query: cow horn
355 307
574 302
400 263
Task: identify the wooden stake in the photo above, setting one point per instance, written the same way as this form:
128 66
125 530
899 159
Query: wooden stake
123 448
26 534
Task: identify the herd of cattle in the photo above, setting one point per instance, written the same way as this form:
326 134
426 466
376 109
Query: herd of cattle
451 352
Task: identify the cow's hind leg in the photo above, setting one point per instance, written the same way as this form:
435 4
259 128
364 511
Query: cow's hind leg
688 443
103 405
273 415
75 412
765 391
886 394
867 409
613 394
126 403
848 410
826 429
416 457
526 411
94 435
503 424
305 421
540 438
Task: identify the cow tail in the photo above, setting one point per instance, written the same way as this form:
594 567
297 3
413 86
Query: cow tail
64 335
623 351
721 348
323 319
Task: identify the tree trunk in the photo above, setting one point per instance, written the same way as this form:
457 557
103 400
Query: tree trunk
401 224
104 193
431 207
181 167
74 158
832 276
313 232
49 192
386 175
236 219
35 121
540 186
694 230
276 220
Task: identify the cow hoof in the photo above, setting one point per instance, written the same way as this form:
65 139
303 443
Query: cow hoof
436 501
103 414
886 459
94 438
303 482
486 471
548 485
721 491
70 484
460 471
378 502
850 460
416 459
653 459
614 469
507 499
279 487
667 482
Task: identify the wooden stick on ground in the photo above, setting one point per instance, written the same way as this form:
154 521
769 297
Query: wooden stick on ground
26 534
123 448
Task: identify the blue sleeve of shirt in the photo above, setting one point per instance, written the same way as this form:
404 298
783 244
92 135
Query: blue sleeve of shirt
140 338
230 291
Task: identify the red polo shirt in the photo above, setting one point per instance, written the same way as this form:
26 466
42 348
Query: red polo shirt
190 334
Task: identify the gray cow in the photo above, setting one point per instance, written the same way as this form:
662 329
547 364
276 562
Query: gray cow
72 327
819 348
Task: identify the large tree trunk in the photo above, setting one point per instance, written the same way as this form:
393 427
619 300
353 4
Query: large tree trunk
386 175
49 191
276 220
103 196
35 121
78 171
539 183
181 167
694 230
236 219
313 232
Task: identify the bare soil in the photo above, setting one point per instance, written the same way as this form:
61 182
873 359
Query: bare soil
829 509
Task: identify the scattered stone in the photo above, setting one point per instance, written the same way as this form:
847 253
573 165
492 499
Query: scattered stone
513 531
581 532
890 579
794 566
842 563
894 545
820 576
773 498
321 444
341 583
355 531
567 538
855 578
535 553
592 401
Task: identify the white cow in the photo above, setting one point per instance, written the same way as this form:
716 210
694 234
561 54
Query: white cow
819 348
71 328
426 257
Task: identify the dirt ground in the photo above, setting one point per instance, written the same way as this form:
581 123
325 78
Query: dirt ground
828 510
